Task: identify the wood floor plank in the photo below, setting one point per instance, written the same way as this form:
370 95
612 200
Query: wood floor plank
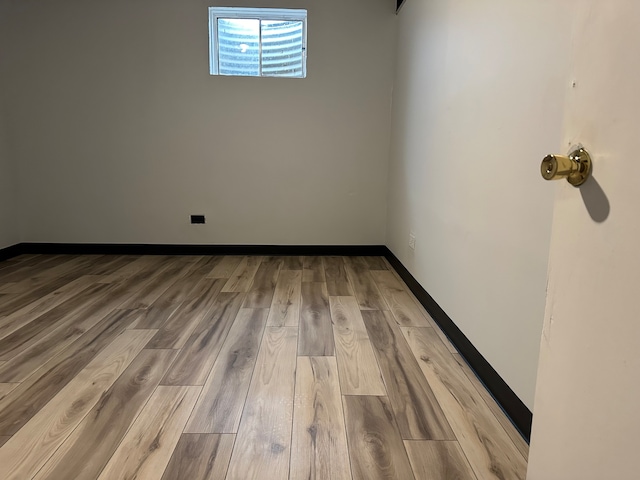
3 440
70 328
133 267
166 274
487 446
364 288
285 308
146 449
88 449
261 292
312 269
404 309
438 460
5 388
375 446
220 405
263 443
15 302
226 267
316 332
27 451
23 271
357 364
179 292
33 310
376 263
17 407
71 267
292 262
243 275
514 435
175 332
319 443
200 457
196 358
337 281
416 408
92 301
433 323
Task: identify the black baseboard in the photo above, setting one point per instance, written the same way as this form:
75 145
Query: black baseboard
163 249
520 415
508 400
10 252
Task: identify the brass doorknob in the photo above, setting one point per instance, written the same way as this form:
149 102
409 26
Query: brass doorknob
576 168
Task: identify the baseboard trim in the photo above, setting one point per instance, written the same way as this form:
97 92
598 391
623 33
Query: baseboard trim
166 249
10 252
517 411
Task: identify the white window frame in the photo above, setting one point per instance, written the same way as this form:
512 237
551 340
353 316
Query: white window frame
298 14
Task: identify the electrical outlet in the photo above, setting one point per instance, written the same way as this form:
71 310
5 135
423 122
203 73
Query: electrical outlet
412 241
197 219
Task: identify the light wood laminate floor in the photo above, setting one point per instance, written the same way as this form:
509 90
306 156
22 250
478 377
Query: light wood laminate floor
255 367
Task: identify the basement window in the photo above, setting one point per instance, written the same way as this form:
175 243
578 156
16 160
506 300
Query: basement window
258 42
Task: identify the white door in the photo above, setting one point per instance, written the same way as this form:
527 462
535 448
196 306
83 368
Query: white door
587 407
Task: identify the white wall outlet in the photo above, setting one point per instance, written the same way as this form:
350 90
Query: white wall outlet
412 241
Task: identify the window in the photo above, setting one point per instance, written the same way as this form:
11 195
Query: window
258 42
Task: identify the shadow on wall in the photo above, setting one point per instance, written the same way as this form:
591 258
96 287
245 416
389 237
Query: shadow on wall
595 200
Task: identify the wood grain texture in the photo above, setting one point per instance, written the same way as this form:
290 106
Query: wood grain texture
31 395
357 364
69 329
184 290
337 281
312 269
292 262
14 302
5 388
175 332
405 310
514 435
200 457
319 444
166 275
375 446
33 310
260 294
28 335
243 275
416 409
487 446
131 268
146 449
225 268
438 460
364 288
220 405
88 449
376 263
263 443
3 440
199 353
316 332
433 323
285 308
27 451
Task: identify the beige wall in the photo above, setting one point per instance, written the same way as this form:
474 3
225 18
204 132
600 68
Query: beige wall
120 133
9 234
478 101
